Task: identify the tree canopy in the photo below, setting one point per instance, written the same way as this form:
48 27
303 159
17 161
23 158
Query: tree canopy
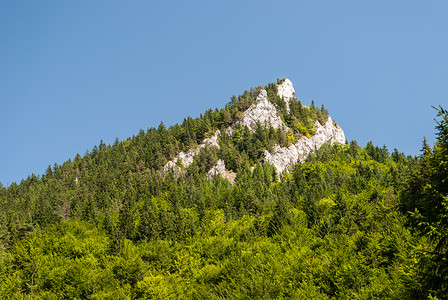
350 222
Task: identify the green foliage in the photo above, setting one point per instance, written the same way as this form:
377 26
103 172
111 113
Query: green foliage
112 225
426 198
301 119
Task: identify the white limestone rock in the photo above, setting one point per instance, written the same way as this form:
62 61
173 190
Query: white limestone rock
211 141
220 168
284 157
187 157
286 91
184 159
263 112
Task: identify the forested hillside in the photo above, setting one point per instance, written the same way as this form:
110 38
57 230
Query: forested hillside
349 222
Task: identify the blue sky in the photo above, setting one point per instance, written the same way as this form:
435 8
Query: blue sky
75 72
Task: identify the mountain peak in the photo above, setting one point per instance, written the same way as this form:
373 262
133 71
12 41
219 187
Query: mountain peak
286 91
304 138
262 96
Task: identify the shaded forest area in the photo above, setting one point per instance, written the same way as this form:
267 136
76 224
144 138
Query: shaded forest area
350 222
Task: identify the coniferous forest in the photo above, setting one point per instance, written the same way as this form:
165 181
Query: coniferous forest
350 222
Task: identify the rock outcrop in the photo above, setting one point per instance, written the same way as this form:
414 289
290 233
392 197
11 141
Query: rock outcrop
220 168
262 111
284 157
265 113
187 157
286 91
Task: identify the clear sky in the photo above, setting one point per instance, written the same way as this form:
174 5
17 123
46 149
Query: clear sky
75 72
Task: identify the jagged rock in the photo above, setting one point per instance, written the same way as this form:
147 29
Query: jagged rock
262 111
286 91
284 157
212 141
220 168
187 157
265 113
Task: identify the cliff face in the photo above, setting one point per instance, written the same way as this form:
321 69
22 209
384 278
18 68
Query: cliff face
220 169
286 91
284 157
265 113
186 158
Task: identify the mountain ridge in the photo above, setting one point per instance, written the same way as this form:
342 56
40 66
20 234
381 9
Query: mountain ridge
116 224
265 113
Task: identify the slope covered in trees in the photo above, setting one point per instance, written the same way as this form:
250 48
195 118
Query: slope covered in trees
113 225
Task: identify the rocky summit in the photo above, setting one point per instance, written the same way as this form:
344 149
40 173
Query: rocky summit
262 112
266 113
286 91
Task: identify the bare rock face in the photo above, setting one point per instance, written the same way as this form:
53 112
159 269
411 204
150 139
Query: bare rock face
265 113
211 141
284 157
262 111
286 91
220 168
187 157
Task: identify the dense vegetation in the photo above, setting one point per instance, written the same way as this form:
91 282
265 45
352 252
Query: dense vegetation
112 225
